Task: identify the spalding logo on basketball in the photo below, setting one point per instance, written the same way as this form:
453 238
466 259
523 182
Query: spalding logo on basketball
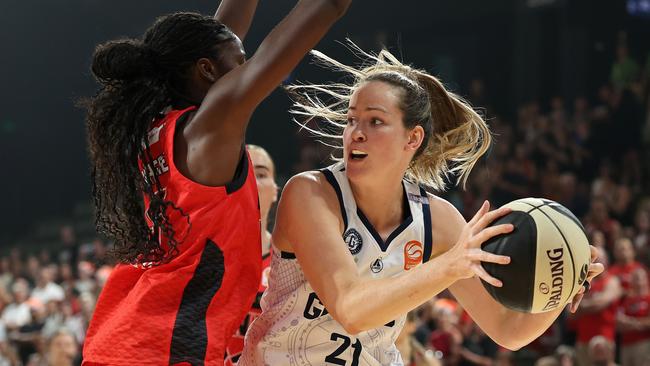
549 254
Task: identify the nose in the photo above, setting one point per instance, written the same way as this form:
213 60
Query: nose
358 135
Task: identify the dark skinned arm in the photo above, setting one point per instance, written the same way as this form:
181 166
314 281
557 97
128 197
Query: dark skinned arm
216 133
237 15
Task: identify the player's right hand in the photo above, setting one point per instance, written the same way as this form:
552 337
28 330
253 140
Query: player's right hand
466 255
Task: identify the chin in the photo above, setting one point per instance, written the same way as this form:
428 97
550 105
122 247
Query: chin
357 172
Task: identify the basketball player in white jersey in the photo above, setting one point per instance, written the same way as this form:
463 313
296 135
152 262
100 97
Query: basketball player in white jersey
360 243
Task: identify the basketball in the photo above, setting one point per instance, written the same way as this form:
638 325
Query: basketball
549 254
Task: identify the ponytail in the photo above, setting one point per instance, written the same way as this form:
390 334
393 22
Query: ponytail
455 136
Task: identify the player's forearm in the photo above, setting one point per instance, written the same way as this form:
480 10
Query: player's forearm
518 329
374 303
237 15
510 329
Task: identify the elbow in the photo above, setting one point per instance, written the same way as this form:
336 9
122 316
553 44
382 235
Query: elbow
345 314
510 343
348 321
511 339
351 325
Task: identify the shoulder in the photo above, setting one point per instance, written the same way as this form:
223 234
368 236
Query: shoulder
441 206
308 200
446 224
309 191
309 182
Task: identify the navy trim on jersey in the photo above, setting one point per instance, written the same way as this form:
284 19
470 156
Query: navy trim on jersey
287 255
241 172
371 229
332 180
190 334
426 214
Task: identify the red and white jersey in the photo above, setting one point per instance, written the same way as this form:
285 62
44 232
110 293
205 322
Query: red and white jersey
185 311
296 329
635 307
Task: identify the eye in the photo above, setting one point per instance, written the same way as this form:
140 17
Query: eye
376 122
350 121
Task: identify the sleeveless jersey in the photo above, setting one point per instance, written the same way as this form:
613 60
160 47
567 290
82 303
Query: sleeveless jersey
183 312
295 329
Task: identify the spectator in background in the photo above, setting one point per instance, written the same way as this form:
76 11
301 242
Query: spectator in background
33 268
566 355
8 356
625 262
446 338
633 321
27 338
63 350
599 219
6 276
46 289
413 352
641 239
569 195
477 348
596 315
625 70
17 313
601 352
86 282
70 252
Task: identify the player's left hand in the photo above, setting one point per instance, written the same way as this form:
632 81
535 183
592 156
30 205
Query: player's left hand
594 270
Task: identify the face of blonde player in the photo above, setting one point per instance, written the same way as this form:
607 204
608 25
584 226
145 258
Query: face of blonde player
375 141
268 190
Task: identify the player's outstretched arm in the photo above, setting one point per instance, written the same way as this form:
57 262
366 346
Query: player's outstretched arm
219 125
308 223
237 15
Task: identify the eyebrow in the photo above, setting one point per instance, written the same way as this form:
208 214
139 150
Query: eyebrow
261 167
370 108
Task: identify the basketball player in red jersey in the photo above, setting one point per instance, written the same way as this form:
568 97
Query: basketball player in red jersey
268 193
173 184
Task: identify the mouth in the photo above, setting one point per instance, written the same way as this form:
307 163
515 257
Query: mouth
358 155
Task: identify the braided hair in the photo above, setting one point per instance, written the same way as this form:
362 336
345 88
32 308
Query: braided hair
138 80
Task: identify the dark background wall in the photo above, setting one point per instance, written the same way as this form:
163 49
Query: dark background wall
522 49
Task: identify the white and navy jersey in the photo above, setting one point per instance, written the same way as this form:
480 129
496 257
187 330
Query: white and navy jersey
295 329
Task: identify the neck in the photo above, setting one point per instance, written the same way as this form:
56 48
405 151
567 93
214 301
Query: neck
382 202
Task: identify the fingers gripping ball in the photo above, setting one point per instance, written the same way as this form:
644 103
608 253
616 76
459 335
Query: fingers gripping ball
549 254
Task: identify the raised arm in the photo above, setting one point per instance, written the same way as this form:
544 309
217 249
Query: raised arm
237 15
219 126
316 239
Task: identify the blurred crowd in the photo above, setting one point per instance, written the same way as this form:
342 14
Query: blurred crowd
47 299
590 154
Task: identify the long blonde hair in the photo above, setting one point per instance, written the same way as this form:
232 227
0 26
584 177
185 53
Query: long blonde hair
455 135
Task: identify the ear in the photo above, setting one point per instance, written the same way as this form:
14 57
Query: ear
415 138
207 70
